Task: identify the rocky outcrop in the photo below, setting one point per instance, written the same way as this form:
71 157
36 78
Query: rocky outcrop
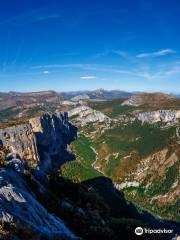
40 140
134 101
69 103
43 145
80 97
84 115
19 206
53 133
126 185
21 139
165 116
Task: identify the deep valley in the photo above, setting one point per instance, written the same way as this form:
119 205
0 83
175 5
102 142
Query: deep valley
102 168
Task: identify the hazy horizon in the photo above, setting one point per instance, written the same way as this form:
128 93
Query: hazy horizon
86 90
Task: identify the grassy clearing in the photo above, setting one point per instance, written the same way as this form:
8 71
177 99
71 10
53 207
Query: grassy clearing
81 169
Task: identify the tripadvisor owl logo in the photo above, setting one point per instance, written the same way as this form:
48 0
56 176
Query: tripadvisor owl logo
139 231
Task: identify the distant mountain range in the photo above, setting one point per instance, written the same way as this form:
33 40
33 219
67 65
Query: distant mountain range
14 99
18 104
97 94
18 99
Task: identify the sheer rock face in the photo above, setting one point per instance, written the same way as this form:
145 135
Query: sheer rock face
166 116
41 139
52 131
54 134
42 143
21 139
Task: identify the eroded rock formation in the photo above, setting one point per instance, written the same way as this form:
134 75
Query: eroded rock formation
42 138
42 144
84 115
166 116
21 139
19 206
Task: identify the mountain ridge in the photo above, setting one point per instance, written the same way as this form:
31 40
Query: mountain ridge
50 225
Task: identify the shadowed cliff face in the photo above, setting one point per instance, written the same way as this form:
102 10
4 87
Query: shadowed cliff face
41 140
43 144
120 207
54 133
19 206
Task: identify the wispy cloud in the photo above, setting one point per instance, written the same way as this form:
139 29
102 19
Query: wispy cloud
112 51
174 70
140 71
88 77
36 15
89 67
29 20
71 65
159 53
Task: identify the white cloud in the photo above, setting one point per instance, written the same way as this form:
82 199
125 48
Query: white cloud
88 77
159 53
145 71
46 72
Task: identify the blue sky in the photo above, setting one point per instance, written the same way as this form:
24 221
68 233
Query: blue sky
64 45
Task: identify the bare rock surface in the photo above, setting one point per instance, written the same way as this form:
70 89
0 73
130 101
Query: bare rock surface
21 139
85 115
164 116
39 143
19 205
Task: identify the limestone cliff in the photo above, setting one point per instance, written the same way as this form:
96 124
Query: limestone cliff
40 140
166 116
84 115
54 133
21 139
43 145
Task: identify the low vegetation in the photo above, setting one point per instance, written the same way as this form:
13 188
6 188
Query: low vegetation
81 169
162 187
112 108
13 123
134 140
